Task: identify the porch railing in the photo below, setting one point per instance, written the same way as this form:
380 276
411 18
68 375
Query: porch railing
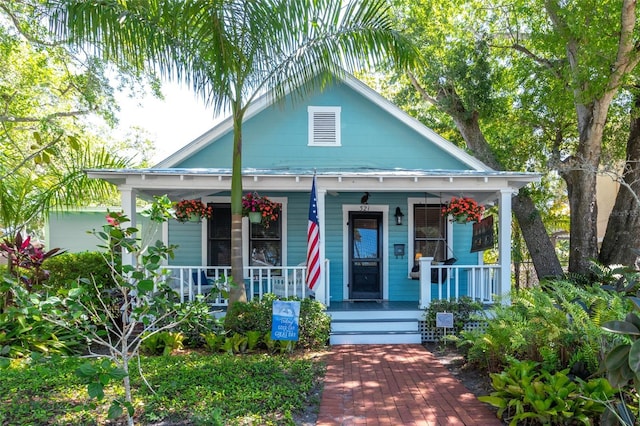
191 281
480 282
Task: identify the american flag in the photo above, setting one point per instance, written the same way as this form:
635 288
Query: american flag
313 240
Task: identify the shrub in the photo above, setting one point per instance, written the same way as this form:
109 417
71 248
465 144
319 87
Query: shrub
194 320
462 309
314 324
557 324
525 393
72 266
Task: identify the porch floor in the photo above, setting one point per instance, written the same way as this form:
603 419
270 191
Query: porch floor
384 305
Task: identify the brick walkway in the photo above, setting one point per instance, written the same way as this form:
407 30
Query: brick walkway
395 385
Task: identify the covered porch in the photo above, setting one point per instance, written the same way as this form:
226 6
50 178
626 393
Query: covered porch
189 282
338 193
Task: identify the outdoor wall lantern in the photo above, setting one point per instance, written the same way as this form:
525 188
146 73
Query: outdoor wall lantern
398 250
398 216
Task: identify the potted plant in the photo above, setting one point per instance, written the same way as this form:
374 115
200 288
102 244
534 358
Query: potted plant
260 209
191 211
463 210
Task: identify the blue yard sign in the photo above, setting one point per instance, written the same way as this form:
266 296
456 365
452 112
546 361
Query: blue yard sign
286 314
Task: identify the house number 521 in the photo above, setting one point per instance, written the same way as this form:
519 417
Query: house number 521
364 208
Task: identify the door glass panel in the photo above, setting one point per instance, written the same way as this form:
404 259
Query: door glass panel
365 239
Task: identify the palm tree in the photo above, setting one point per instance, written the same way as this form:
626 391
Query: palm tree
232 51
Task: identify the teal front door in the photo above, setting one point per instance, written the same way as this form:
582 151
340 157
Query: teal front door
365 255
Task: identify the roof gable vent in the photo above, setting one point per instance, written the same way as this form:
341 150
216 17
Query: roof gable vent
324 126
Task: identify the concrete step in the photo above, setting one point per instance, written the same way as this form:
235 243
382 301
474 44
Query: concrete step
361 338
383 325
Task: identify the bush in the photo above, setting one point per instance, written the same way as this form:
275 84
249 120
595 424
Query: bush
72 266
525 393
195 320
462 309
557 324
314 324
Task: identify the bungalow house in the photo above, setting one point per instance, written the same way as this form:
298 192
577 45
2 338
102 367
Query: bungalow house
382 179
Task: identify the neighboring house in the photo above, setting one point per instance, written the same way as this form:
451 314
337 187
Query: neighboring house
356 142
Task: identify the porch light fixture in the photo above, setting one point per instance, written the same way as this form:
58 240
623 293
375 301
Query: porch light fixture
398 216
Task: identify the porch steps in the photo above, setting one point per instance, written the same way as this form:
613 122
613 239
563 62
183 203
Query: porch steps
374 327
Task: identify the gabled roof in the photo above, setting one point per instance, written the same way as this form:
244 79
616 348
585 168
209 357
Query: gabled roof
358 86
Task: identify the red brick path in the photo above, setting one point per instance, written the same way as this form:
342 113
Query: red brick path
395 385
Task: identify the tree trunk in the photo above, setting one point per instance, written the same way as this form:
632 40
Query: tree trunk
237 291
541 249
623 227
583 239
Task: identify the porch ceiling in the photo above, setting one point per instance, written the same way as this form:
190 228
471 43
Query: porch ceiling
178 183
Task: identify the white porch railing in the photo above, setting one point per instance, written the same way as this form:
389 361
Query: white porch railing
191 281
480 282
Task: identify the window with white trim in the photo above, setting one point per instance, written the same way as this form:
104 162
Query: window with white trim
429 231
324 126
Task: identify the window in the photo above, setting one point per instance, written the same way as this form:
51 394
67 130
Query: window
265 244
219 238
430 231
324 126
263 247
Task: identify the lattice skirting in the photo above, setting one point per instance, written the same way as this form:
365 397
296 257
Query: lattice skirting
435 334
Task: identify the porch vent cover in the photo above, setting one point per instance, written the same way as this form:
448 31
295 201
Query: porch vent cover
324 126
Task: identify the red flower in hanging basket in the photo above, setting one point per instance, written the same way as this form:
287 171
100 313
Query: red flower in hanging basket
255 203
185 209
464 208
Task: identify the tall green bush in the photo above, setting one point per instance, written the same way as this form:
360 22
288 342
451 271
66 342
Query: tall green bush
69 267
256 315
558 325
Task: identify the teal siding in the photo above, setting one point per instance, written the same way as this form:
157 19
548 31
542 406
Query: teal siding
388 142
69 230
188 237
401 287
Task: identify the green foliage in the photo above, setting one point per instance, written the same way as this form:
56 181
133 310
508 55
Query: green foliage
195 389
557 324
69 267
462 309
97 376
256 315
161 343
213 341
193 318
524 393
24 331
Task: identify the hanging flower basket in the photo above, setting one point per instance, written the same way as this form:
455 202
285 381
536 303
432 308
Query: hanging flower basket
260 209
191 211
463 210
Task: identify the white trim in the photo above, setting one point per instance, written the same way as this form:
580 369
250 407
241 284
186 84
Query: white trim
364 208
335 140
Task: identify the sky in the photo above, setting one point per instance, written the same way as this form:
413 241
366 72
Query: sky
171 123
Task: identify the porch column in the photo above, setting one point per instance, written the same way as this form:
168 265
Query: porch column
128 202
425 281
504 244
322 290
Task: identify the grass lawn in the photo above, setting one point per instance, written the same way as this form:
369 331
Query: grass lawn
194 388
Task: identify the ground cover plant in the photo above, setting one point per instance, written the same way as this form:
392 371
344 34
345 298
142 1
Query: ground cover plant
200 388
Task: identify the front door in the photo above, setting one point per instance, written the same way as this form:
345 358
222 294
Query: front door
365 255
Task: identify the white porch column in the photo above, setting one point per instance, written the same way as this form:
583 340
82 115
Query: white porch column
504 244
425 281
128 202
322 292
